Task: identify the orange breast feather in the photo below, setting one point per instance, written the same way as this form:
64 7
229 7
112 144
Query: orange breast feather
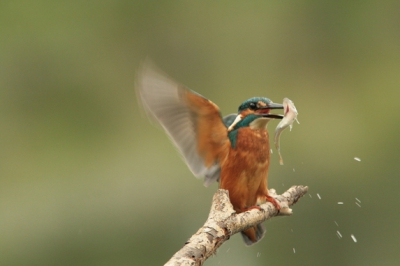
244 173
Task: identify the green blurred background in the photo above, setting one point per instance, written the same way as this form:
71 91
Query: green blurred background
87 180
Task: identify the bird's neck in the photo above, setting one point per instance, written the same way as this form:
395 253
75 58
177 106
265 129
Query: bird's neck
259 123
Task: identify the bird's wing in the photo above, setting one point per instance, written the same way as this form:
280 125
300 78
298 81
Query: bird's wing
228 120
192 122
213 173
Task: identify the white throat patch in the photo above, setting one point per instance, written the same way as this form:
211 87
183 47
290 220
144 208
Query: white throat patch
260 123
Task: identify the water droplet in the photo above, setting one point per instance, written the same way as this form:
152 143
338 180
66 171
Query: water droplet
310 195
294 251
228 250
318 196
339 234
258 254
357 159
294 170
358 204
354 238
271 151
336 223
358 200
340 203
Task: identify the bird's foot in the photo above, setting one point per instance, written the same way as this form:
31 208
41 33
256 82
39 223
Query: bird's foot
273 201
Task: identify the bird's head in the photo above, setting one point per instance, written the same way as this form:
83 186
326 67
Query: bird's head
255 109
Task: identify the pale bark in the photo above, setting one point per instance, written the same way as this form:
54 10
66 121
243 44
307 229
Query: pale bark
223 222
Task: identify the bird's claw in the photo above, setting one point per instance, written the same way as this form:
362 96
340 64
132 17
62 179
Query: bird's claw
274 202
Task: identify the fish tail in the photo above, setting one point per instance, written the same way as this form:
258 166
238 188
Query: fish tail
280 158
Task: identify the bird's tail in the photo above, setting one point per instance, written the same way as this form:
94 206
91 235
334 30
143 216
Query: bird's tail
253 234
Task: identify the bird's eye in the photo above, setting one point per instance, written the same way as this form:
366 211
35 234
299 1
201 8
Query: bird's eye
253 106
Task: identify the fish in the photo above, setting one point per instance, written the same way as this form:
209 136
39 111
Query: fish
290 115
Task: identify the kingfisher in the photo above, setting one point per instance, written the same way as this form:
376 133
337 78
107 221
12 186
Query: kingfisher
233 150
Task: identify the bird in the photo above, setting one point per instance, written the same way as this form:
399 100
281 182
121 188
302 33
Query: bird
233 150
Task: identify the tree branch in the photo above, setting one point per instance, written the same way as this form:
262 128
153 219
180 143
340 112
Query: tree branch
223 222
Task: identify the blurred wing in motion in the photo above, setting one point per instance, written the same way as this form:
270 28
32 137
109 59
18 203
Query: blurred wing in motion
193 123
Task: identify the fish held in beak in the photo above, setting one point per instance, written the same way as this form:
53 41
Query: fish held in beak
290 115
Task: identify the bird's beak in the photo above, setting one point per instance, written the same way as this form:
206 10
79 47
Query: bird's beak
273 106
264 111
272 116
